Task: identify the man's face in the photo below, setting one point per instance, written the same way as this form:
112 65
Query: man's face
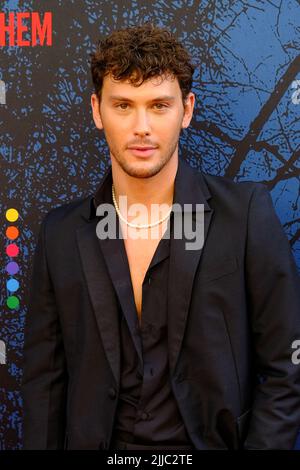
150 115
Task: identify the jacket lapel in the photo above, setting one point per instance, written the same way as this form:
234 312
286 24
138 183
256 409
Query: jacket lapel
101 293
190 188
116 261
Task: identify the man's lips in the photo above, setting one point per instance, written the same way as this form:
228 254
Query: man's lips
141 148
142 151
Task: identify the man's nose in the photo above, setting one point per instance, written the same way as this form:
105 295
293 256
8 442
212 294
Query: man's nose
142 124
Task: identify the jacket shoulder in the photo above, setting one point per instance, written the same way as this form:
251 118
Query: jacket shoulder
67 212
222 185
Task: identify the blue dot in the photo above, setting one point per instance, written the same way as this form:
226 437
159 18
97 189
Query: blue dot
12 285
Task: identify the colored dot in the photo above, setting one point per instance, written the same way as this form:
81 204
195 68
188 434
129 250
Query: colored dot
12 215
12 267
12 250
12 285
12 302
12 232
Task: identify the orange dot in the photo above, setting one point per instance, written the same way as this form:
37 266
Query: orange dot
12 232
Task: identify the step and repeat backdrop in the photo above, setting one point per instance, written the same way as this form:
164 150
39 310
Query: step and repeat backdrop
246 124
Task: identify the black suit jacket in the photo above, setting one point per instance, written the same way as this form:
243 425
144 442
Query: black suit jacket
233 314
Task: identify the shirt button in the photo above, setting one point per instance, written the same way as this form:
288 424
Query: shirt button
144 416
112 393
139 375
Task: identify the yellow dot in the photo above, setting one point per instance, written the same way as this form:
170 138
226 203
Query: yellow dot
12 215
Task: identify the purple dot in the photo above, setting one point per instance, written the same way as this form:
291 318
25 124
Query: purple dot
12 267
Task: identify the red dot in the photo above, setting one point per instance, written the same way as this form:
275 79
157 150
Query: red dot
12 250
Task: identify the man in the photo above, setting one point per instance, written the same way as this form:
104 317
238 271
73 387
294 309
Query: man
136 341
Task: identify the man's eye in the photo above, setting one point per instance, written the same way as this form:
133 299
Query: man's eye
160 105
122 105
125 106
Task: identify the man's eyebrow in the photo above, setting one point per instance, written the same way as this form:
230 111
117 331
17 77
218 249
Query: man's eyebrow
158 98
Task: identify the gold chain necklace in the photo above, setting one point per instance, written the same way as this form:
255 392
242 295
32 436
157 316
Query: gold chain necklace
130 224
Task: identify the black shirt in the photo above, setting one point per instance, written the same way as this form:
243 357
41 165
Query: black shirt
147 411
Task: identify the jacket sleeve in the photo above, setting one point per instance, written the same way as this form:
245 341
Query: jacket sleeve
273 286
44 381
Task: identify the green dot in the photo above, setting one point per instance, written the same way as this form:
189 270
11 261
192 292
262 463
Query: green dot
12 301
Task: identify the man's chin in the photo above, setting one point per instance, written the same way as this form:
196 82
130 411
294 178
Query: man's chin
137 171
142 173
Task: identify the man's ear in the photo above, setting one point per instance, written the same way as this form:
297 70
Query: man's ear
96 111
188 110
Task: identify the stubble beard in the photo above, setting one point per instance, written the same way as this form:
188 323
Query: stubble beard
137 171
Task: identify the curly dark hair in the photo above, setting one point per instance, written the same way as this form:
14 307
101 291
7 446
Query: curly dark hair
138 53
